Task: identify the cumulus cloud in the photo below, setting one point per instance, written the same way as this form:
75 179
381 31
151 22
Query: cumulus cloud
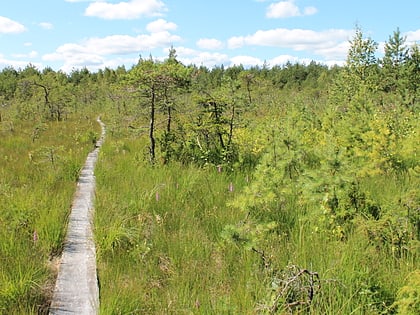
284 9
16 63
413 36
280 60
338 51
8 26
297 39
115 45
125 10
246 61
209 43
237 41
208 59
249 61
197 57
95 51
283 59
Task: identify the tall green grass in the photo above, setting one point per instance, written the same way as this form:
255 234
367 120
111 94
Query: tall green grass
39 166
161 249
158 237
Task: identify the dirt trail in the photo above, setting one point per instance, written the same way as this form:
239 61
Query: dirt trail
76 290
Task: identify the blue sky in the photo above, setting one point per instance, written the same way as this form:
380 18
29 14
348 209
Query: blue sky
72 34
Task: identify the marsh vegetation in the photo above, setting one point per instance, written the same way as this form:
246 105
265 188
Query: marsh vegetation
268 190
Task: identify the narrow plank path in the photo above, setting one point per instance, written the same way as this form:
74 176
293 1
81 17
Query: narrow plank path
76 290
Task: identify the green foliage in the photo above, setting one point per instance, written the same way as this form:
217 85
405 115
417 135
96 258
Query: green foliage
361 60
8 85
157 82
247 234
408 296
393 62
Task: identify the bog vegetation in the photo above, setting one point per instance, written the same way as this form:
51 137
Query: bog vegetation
268 190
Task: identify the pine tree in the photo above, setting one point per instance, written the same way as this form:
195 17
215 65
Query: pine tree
413 73
361 60
394 64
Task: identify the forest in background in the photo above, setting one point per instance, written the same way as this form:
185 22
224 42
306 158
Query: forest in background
266 190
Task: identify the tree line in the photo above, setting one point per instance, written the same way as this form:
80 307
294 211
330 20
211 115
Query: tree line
218 98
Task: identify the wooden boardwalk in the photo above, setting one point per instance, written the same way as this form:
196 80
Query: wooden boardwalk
76 290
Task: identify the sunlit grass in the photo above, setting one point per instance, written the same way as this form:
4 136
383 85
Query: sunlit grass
158 237
39 166
160 249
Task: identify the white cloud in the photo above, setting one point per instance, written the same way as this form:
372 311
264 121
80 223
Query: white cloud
337 51
161 25
16 64
381 48
209 43
117 62
125 10
74 56
284 9
46 25
125 44
246 61
209 60
185 51
283 59
117 44
237 41
413 36
297 39
97 51
8 26
190 56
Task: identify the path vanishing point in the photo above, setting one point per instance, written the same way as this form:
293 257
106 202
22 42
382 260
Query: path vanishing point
76 289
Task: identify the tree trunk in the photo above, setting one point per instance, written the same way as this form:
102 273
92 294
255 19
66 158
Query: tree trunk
248 88
169 111
217 121
231 122
152 126
168 125
46 98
